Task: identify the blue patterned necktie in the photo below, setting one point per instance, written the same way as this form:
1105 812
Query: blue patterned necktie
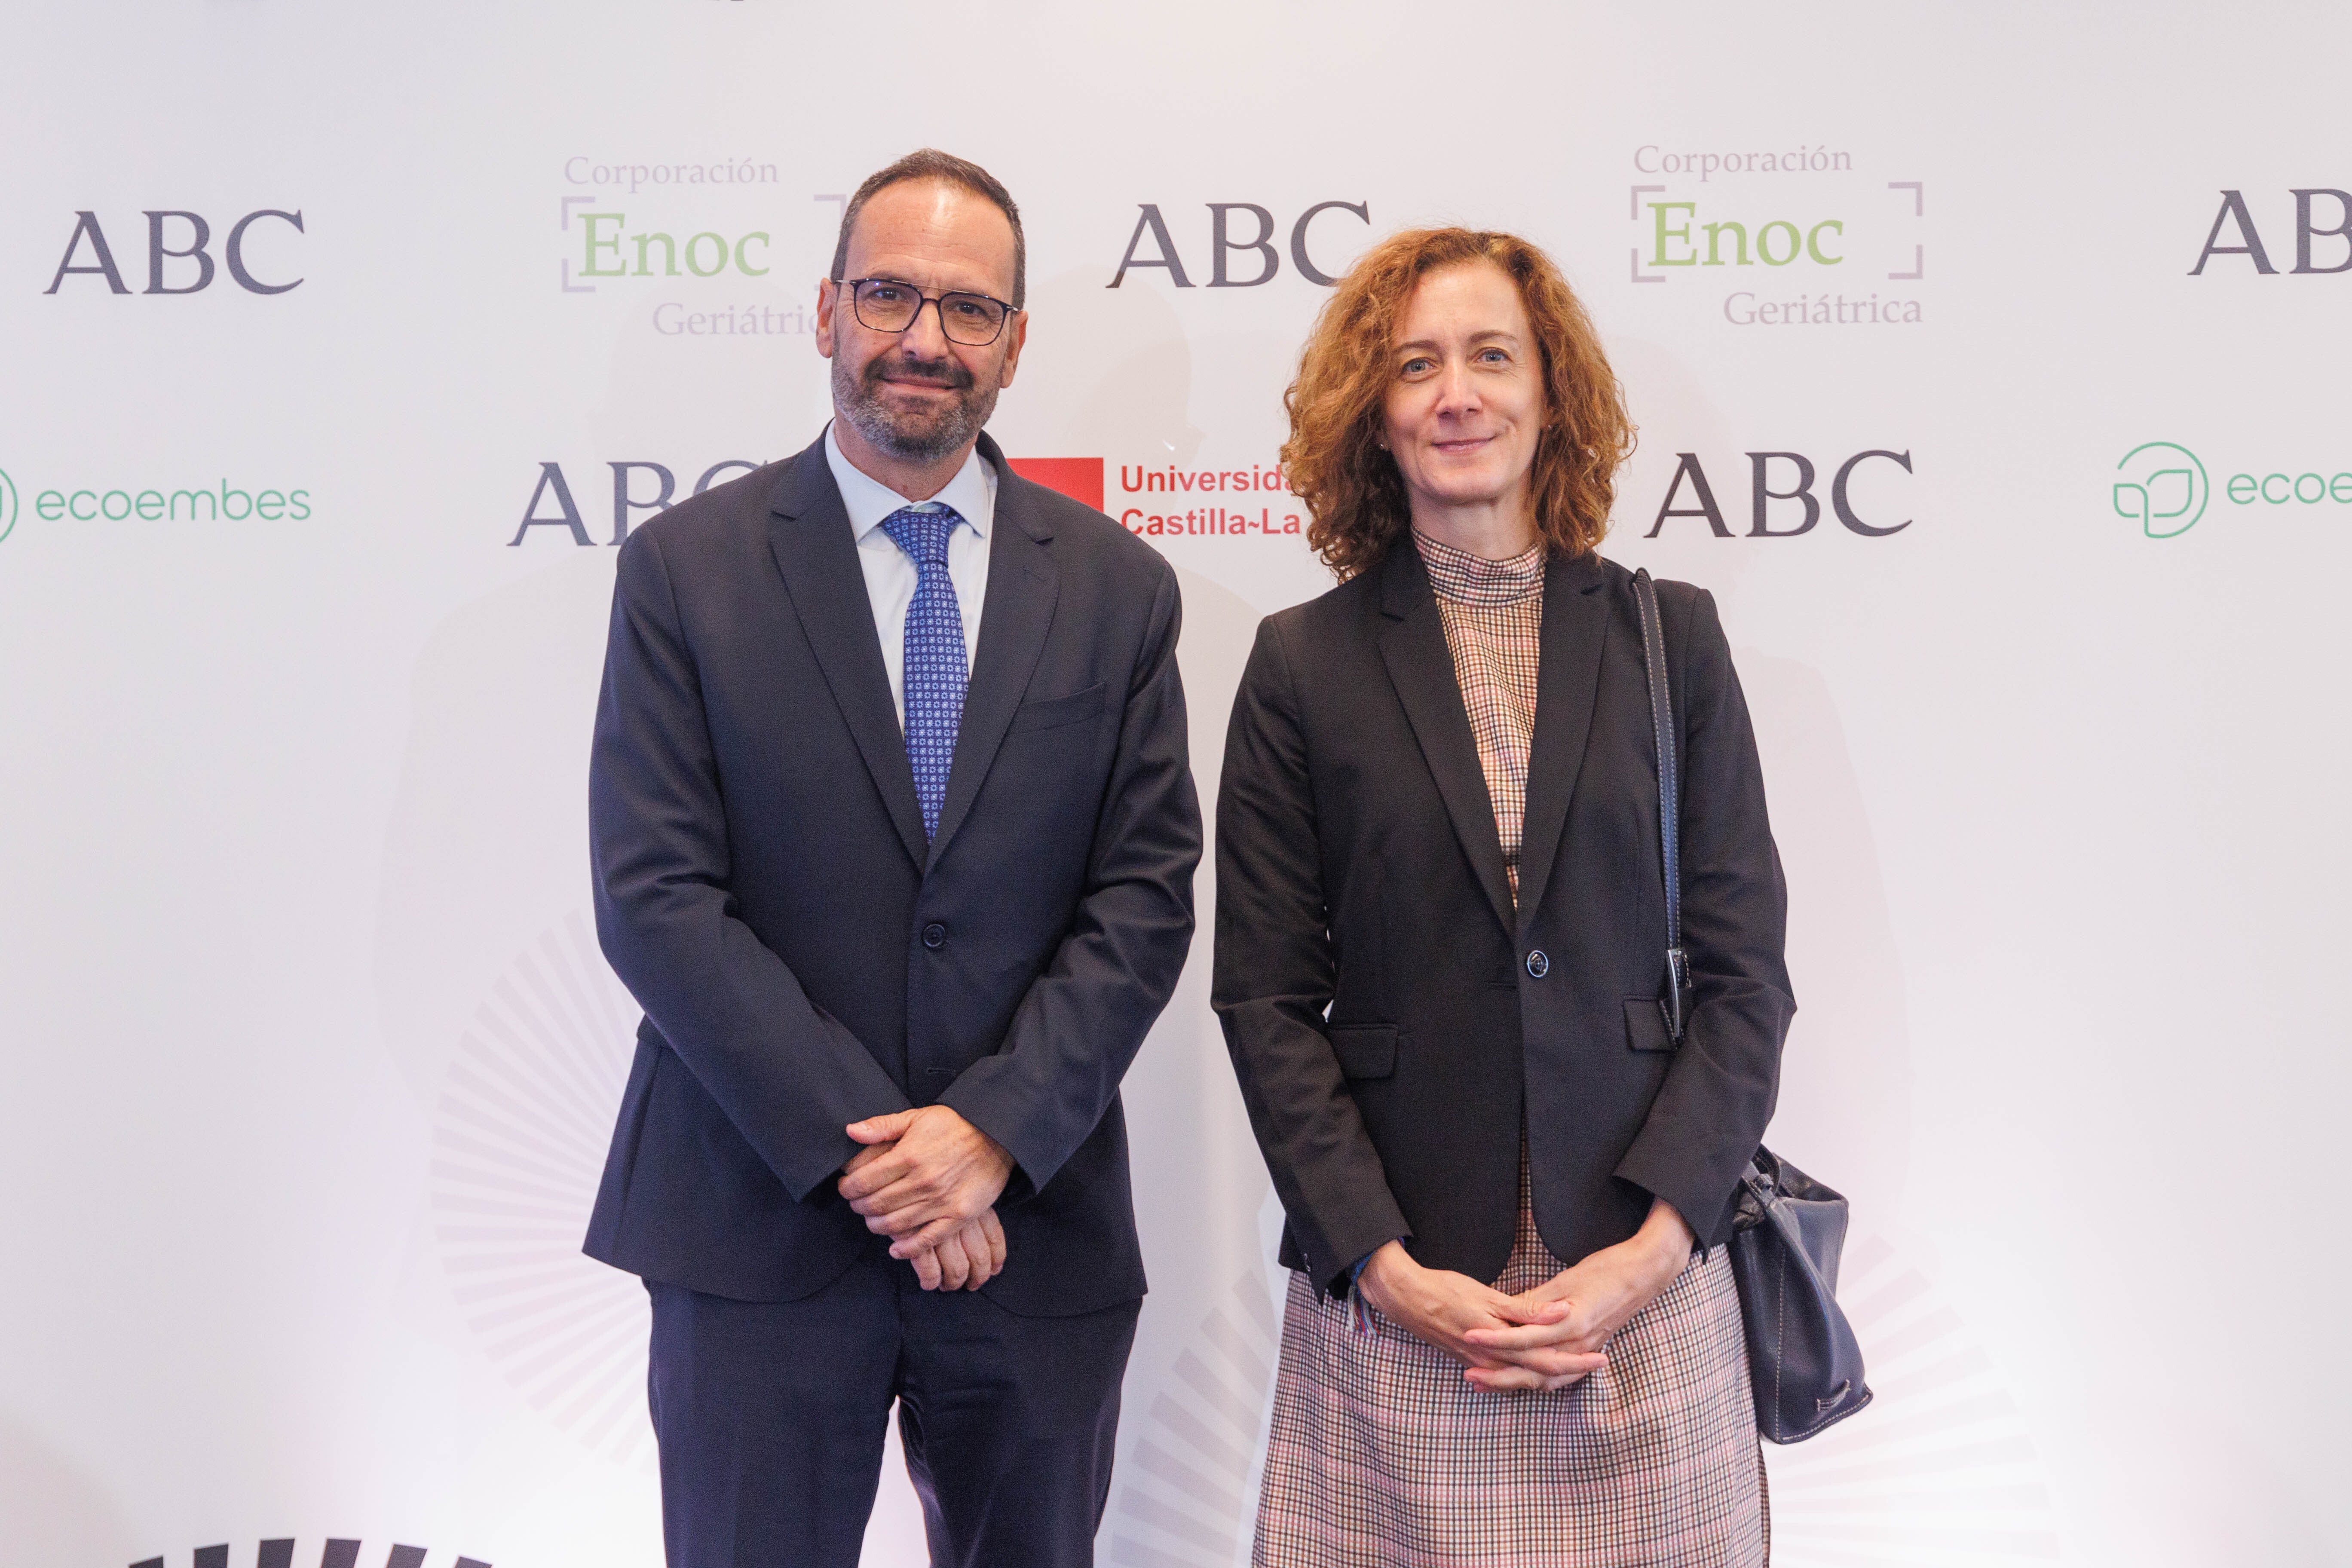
935 672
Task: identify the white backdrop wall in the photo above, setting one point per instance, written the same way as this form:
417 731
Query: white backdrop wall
308 1056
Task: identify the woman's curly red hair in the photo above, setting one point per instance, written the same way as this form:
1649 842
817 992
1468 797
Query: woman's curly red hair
1335 463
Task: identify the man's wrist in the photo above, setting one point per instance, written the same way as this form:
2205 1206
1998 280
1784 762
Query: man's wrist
1000 1152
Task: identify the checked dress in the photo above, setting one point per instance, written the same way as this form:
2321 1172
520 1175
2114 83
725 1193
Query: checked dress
1380 1456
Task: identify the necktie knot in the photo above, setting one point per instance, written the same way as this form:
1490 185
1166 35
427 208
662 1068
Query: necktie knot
922 532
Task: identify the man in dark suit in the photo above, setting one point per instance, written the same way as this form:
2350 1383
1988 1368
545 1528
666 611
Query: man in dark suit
894 834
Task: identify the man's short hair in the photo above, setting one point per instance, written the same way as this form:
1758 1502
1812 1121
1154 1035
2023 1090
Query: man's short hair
930 163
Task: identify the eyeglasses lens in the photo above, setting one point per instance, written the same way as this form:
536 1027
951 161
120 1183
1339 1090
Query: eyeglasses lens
971 320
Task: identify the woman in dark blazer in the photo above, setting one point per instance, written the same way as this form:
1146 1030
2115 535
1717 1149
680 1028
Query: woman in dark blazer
1441 937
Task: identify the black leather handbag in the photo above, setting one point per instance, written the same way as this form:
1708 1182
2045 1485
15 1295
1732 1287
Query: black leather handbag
1803 1361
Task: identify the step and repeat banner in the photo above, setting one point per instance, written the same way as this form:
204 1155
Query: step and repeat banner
1989 363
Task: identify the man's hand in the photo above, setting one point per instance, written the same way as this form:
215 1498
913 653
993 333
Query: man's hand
966 1260
1560 1327
1450 1310
937 1174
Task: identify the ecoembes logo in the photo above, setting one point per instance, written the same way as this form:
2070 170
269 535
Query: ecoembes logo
2162 485
2163 489
222 502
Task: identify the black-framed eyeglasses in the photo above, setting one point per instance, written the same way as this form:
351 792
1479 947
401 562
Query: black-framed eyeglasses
886 305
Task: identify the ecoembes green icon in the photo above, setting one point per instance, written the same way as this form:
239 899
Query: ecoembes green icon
7 504
2163 489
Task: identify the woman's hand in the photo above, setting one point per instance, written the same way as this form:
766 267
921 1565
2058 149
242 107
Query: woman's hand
1558 1328
1450 1310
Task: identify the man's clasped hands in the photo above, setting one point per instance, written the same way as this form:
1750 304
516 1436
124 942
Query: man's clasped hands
929 1180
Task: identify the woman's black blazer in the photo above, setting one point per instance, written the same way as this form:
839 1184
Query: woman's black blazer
1392 1016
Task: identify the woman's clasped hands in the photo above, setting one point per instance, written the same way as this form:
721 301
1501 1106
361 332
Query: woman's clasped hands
1547 1338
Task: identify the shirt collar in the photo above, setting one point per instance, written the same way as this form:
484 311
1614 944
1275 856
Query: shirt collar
1466 579
972 492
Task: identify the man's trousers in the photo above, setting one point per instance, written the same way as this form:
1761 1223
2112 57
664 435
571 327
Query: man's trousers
771 1418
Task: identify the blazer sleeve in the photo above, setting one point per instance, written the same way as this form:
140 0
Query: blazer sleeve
788 1075
1274 979
1709 1115
1083 1019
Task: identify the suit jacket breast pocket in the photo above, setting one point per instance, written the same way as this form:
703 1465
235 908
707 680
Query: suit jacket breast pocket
1052 713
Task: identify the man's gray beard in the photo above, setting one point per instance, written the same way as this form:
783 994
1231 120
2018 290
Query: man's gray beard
858 399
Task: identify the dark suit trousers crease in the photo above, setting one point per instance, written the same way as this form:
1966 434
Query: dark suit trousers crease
771 1417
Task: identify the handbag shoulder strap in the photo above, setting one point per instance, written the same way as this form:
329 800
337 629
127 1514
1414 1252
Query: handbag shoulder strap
1670 797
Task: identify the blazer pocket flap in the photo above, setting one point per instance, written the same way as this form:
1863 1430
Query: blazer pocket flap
1365 1050
1645 1024
1052 712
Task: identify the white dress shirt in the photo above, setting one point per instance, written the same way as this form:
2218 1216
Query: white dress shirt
890 572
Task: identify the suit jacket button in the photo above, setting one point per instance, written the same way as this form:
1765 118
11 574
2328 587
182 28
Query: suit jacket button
1538 965
935 936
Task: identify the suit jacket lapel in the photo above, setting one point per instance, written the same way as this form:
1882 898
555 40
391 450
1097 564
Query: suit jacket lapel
1022 585
1567 679
809 534
1421 668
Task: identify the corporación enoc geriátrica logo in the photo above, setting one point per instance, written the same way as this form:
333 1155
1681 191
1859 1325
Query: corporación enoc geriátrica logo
697 249
1793 236
602 243
2164 488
